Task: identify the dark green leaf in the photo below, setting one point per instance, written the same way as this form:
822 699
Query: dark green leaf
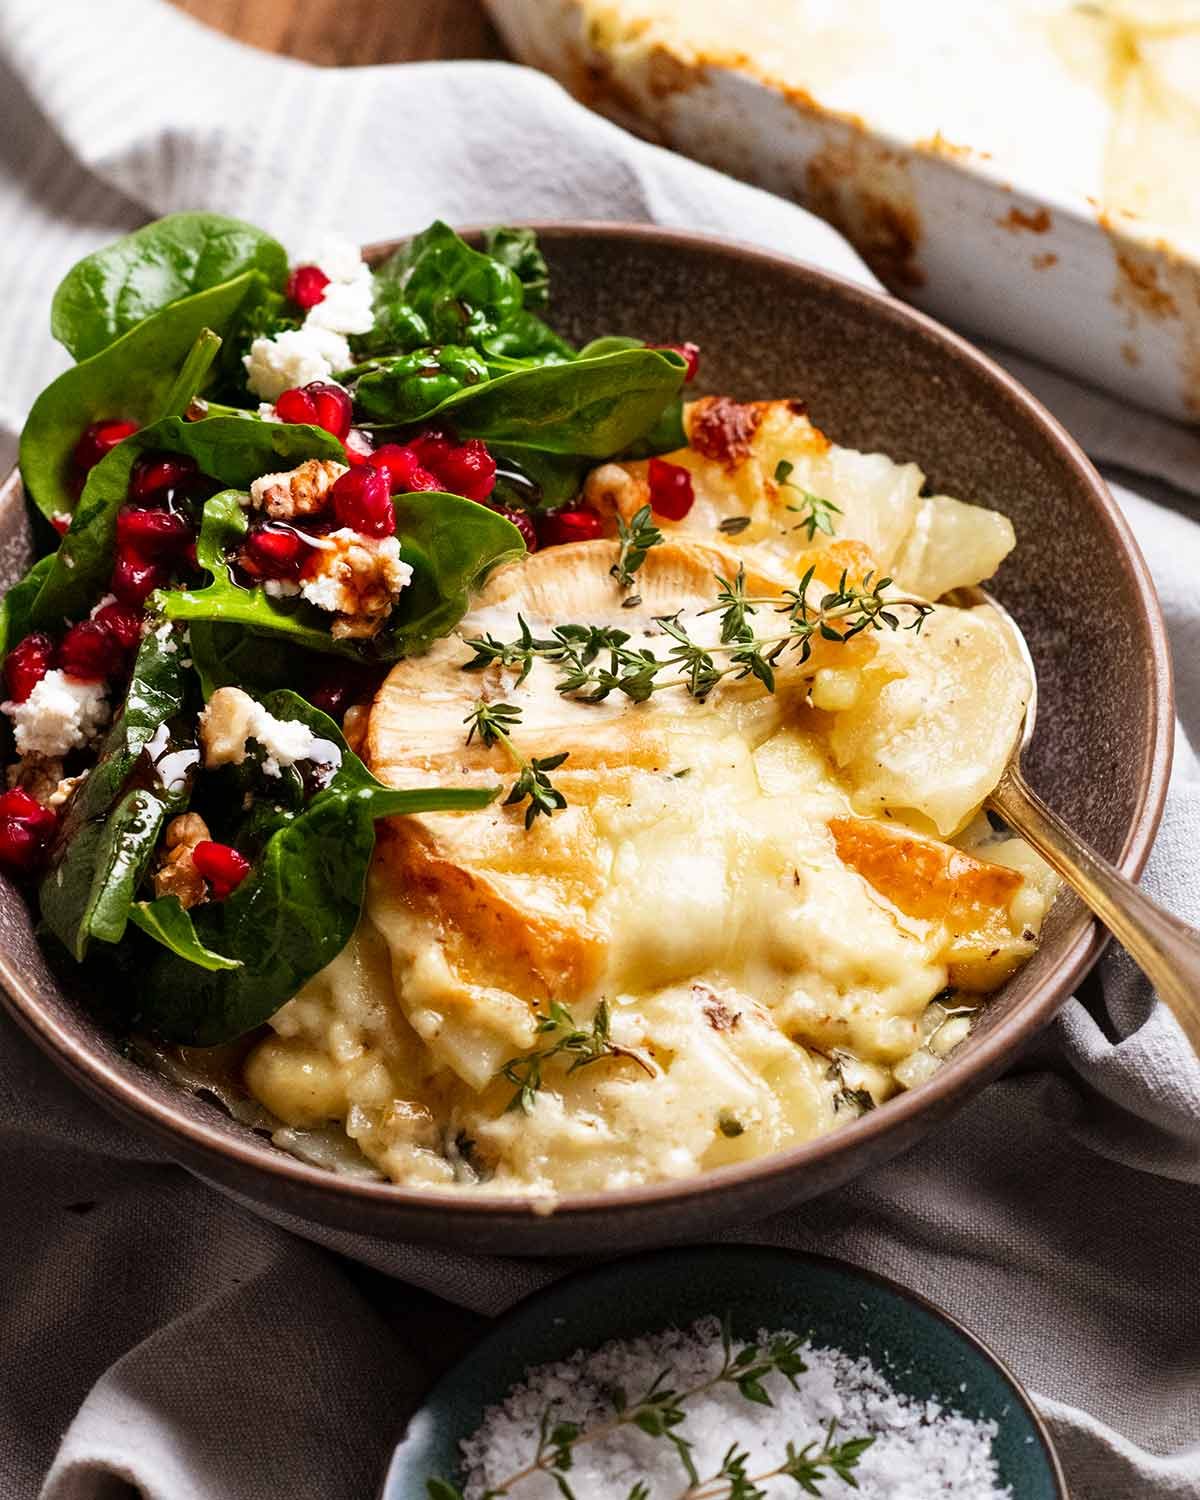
16 608
518 250
169 924
131 378
108 292
409 387
438 1489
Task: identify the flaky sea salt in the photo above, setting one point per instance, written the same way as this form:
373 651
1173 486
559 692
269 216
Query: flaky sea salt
921 1450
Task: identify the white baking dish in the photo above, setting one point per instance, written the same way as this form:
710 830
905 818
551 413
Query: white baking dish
1025 235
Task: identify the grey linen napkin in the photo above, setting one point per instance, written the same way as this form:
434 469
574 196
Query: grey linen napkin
157 1335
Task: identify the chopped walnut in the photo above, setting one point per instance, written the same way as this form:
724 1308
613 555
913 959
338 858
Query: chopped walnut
615 488
358 578
177 874
39 775
297 492
225 725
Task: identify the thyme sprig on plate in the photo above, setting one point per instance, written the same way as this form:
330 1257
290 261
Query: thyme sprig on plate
637 537
816 513
492 722
595 661
660 1413
583 1045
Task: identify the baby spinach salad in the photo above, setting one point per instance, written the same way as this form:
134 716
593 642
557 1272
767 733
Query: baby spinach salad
270 479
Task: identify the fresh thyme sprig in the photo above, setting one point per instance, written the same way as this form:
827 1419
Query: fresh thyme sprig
492 722
582 1046
659 1413
595 661
637 536
816 512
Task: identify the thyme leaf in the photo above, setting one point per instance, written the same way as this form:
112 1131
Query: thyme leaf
492 723
816 513
581 1045
637 536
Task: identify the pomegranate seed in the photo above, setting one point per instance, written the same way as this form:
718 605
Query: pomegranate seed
98 439
90 651
523 521
688 352
359 449
582 525
61 522
469 470
26 828
336 689
221 865
402 468
274 550
306 286
362 501
671 493
154 472
318 404
152 533
28 662
134 578
123 621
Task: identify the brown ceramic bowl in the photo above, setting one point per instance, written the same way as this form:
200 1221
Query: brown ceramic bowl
876 375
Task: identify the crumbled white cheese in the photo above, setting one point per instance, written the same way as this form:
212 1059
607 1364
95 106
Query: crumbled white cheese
335 254
280 588
61 714
233 717
267 412
346 306
358 578
293 358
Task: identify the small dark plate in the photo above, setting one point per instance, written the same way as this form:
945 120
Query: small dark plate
922 1352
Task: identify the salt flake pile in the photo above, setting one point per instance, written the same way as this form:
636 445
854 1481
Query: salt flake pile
921 1449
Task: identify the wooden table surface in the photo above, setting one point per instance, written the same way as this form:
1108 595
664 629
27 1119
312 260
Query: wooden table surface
352 32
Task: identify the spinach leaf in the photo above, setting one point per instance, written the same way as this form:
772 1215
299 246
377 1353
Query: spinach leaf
16 608
409 387
108 292
590 407
231 450
525 338
168 923
610 343
292 914
450 543
518 250
228 655
665 436
528 479
143 776
131 378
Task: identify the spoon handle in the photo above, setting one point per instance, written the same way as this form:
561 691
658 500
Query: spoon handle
1165 949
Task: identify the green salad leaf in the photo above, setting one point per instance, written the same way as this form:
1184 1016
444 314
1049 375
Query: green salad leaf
411 386
166 920
518 249
450 543
16 608
133 378
292 914
232 450
112 824
588 407
110 291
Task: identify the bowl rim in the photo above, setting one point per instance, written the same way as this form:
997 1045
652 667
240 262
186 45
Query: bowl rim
563 1288
214 1143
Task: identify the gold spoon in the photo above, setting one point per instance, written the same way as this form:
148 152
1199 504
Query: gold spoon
1165 949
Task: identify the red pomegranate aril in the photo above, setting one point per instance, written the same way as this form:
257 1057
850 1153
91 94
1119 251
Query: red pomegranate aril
306 286
671 493
134 578
274 550
123 621
560 526
152 533
362 501
523 521
26 828
155 472
689 352
403 469
90 652
27 663
98 439
317 404
221 865
61 522
468 470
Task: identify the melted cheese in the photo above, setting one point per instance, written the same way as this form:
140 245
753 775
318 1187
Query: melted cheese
711 881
